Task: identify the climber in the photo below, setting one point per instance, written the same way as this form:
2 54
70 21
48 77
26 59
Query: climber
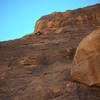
38 33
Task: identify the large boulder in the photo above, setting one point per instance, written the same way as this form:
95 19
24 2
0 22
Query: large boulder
86 64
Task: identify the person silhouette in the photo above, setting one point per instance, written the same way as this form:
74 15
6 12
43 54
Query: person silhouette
38 33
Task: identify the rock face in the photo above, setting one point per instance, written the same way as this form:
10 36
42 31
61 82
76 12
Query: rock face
86 65
70 21
37 66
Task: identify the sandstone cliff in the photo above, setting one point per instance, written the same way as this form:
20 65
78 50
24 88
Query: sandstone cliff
37 67
79 20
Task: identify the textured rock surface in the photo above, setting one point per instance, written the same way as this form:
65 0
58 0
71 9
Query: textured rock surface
38 67
86 65
70 21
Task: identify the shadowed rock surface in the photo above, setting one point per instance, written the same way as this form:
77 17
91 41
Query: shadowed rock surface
86 64
37 67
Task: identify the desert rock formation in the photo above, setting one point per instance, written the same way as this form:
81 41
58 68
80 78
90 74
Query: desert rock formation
37 67
86 64
78 20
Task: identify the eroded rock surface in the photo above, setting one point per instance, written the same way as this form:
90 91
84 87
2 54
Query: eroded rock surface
37 67
86 65
78 20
